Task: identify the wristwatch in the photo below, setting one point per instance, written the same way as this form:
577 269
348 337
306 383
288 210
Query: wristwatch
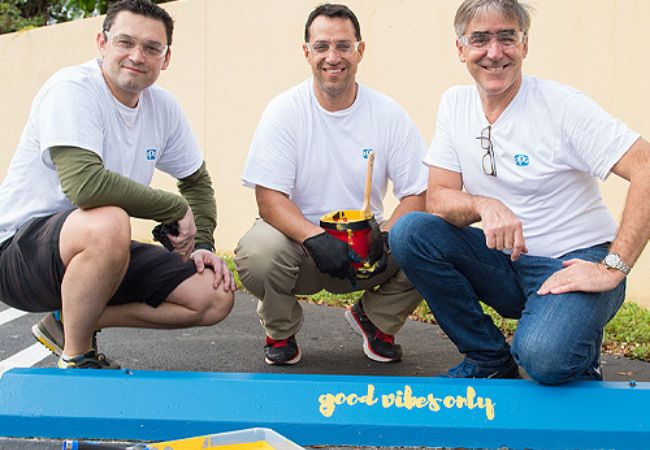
613 261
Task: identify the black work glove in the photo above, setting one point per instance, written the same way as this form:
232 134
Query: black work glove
377 259
332 256
161 231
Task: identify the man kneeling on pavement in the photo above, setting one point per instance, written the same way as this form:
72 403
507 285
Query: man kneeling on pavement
522 155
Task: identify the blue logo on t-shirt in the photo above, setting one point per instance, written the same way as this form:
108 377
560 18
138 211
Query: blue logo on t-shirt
366 152
151 154
521 160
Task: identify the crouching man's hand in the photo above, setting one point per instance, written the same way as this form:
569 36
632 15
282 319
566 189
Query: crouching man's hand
331 256
377 259
222 276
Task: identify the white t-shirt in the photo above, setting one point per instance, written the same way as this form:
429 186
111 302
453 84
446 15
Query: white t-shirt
319 158
549 144
75 108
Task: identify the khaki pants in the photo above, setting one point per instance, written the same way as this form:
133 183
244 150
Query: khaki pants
275 269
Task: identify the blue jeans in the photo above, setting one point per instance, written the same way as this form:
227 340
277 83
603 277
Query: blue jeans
558 337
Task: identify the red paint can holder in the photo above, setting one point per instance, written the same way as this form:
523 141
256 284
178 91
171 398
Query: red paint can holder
351 227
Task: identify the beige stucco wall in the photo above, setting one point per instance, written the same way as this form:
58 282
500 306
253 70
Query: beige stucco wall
230 58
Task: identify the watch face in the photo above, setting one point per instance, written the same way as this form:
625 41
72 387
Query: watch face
611 260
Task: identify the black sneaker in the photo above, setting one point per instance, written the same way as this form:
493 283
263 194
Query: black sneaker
377 345
593 372
281 352
89 360
49 332
470 369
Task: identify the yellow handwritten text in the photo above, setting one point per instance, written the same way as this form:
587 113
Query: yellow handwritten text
328 402
407 400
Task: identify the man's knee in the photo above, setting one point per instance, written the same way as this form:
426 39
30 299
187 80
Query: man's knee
411 229
107 225
548 361
216 307
209 306
260 255
97 233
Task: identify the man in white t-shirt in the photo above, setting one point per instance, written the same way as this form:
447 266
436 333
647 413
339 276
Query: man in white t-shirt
522 156
308 158
94 136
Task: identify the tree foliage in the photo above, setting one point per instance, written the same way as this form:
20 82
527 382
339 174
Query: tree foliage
16 15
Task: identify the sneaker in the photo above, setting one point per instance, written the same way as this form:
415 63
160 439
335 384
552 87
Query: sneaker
281 352
593 372
89 360
469 369
377 345
49 332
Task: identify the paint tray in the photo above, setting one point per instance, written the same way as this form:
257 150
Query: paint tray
249 439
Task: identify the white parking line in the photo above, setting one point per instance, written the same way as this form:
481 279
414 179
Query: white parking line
25 358
10 314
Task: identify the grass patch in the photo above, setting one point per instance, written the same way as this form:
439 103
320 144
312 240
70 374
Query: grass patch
233 268
627 334
329 299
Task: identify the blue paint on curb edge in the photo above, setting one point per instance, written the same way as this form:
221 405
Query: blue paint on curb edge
324 409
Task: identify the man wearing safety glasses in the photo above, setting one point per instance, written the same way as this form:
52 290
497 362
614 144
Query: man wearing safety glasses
522 155
94 136
309 158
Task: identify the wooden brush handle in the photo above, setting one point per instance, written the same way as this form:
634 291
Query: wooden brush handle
366 193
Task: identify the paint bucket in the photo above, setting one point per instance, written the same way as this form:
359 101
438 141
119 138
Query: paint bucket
351 227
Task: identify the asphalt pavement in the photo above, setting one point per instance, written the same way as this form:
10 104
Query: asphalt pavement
328 346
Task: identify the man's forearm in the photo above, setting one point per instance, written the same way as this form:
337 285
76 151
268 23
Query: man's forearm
634 229
197 190
279 211
456 207
88 184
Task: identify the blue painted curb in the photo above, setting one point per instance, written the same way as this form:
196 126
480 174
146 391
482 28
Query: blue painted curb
324 409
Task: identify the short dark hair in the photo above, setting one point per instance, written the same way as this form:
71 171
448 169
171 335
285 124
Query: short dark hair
142 7
331 10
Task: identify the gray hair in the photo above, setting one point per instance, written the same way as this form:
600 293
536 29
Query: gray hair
509 9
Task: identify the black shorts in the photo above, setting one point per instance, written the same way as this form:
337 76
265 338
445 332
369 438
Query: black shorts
31 270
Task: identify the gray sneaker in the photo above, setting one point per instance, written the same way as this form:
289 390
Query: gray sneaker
89 360
49 332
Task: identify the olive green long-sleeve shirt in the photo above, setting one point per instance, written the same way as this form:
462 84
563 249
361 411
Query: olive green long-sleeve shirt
88 184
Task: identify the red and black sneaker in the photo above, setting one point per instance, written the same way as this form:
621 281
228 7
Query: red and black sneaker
281 352
377 345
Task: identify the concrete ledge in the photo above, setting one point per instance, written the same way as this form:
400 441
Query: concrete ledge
324 409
